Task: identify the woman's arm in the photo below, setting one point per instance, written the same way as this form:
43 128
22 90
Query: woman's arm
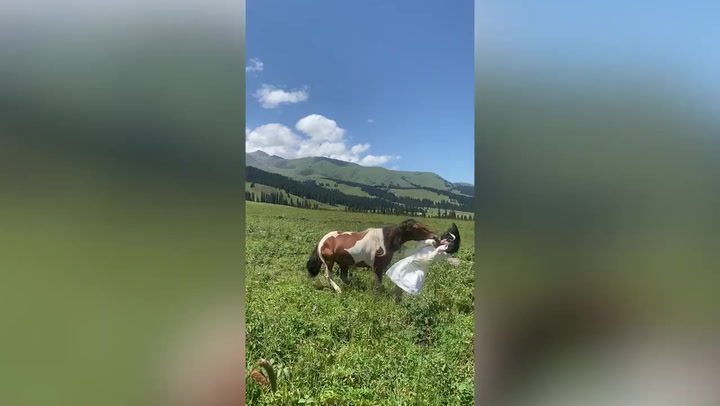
429 241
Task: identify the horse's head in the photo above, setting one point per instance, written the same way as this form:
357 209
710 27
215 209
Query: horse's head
411 230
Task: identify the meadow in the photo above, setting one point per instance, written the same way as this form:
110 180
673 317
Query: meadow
358 347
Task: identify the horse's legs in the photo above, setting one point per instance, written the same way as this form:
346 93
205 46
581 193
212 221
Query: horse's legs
378 278
344 274
328 270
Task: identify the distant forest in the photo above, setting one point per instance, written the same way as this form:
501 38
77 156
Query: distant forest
383 201
464 203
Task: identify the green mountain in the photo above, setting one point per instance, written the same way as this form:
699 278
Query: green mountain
344 184
317 168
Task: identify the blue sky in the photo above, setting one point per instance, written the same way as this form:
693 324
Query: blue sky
673 42
385 83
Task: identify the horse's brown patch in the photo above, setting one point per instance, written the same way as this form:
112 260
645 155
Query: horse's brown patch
335 248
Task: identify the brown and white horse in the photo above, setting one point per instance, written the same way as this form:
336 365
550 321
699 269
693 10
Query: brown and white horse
372 248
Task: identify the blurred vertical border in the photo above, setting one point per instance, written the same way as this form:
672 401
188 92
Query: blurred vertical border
121 202
597 203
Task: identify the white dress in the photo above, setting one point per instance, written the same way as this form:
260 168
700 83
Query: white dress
409 273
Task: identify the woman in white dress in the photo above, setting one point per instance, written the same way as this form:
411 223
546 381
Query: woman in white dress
409 273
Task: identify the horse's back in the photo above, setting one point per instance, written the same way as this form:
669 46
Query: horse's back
361 246
366 248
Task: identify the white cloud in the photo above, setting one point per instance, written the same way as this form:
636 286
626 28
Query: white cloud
318 136
370 120
360 148
254 65
275 139
270 96
320 128
374 160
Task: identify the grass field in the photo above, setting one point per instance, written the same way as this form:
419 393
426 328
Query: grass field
359 347
419 194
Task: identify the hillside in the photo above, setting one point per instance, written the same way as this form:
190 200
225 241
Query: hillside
348 186
319 167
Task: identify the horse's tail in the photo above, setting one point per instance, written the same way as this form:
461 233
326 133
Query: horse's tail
314 263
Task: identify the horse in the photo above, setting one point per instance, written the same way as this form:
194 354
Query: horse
372 248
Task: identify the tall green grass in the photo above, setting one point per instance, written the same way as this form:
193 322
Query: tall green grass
359 347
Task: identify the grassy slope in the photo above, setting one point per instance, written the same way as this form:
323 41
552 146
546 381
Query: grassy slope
322 170
351 190
313 168
269 189
359 347
348 190
419 194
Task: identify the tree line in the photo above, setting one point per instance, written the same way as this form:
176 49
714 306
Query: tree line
464 203
309 190
280 198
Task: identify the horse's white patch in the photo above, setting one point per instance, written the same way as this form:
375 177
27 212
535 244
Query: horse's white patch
327 269
322 241
364 250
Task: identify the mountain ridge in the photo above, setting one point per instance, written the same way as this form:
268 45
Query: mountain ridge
336 184
316 168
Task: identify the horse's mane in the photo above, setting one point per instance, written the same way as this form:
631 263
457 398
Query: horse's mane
394 242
